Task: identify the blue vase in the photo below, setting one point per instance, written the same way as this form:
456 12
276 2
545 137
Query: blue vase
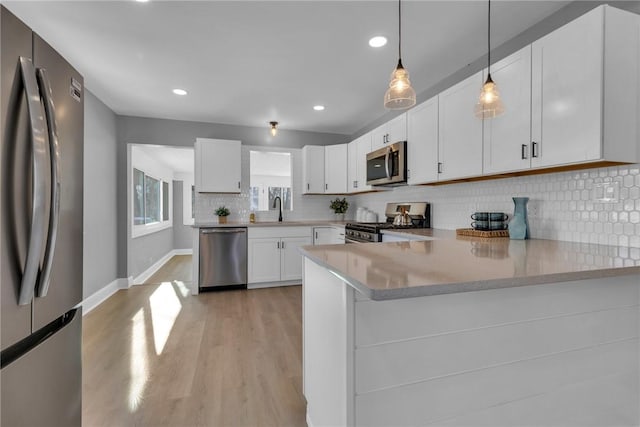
519 224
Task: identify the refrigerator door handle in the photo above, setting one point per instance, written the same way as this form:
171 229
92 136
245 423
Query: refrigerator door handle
41 176
54 214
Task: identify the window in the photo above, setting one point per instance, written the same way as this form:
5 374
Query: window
270 178
150 203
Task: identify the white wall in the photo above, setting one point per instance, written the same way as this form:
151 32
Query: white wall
100 200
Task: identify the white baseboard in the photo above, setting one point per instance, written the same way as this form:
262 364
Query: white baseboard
145 275
273 284
100 296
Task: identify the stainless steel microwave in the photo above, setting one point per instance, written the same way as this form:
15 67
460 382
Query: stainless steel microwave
388 165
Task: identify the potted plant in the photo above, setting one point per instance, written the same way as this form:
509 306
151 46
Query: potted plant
222 213
339 207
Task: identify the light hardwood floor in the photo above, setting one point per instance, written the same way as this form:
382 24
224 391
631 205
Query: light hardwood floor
154 355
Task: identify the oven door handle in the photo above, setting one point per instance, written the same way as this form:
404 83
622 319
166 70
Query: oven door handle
387 156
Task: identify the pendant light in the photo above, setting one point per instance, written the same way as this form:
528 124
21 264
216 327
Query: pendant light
489 104
274 128
400 94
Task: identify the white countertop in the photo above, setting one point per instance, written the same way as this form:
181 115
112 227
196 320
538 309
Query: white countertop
450 264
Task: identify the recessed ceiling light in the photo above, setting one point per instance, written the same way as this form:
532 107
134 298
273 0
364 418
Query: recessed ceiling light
142 1
318 107
180 91
377 41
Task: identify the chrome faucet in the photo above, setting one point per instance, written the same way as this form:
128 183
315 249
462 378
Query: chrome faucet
274 206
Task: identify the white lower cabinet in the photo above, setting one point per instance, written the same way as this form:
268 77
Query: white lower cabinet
333 235
273 255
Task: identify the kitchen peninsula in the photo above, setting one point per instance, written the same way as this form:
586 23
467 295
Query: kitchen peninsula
463 331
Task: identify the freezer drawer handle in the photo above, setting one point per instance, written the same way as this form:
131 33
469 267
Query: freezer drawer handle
17 350
41 183
54 149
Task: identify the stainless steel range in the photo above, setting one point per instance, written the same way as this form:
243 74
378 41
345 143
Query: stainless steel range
415 215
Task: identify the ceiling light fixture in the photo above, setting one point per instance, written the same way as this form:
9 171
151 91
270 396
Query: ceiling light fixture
142 1
489 104
180 92
400 94
377 41
318 107
274 128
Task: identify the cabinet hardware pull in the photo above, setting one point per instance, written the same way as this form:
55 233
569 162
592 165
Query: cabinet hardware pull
523 152
326 186
534 149
238 184
281 245
316 235
307 185
278 245
439 167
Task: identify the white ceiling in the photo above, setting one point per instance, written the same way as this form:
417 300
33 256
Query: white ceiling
249 62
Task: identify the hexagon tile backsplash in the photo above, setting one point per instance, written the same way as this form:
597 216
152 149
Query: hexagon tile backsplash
591 206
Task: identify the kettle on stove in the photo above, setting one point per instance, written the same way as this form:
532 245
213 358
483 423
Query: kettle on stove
402 218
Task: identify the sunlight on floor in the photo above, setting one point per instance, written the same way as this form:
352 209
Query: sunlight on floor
139 364
165 307
184 290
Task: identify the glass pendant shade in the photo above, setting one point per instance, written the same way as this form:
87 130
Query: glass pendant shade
274 128
400 94
489 103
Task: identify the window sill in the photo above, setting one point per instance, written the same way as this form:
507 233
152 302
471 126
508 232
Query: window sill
143 230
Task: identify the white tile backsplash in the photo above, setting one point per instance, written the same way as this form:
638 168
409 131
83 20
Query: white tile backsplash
305 207
562 205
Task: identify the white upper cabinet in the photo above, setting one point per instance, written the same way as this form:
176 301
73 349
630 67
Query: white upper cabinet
585 85
357 165
217 166
460 131
507 138
393 131
313 169
335 169
422 143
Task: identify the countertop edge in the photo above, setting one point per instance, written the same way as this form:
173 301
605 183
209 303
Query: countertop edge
460 287
310 223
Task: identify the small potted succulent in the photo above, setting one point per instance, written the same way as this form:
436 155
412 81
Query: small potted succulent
222 213
339 207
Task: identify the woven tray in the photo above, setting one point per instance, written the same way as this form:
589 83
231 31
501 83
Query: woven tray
479 233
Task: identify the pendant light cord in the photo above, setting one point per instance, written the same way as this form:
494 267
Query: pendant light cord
489 38
399 31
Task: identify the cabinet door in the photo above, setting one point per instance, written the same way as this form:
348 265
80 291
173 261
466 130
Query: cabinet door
264 260
312 169
422 143
337 235
460 131
567 80
397 129
218 166
291 259
335 169
379 137
363 147
507 137
322 235
352 167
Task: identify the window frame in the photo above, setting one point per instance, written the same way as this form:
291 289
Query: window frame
138 230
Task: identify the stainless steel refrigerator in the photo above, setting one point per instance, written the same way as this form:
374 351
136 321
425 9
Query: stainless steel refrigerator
42 120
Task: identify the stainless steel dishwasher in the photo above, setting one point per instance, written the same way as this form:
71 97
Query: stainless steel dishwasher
223 258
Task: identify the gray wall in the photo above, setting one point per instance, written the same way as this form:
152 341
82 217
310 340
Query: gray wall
135 255
100 200
182 237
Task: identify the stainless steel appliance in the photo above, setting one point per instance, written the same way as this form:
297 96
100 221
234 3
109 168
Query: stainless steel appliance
388 165
42 131
223 258
419 214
